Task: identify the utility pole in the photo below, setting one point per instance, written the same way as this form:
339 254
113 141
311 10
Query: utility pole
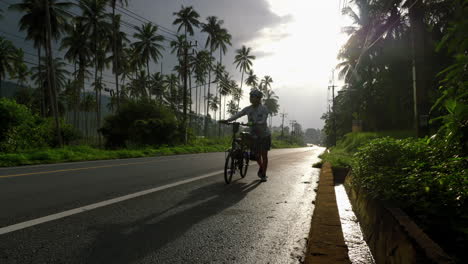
420 82
282 124
293 122
332 86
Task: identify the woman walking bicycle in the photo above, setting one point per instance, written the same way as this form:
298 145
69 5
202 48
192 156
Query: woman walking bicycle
261 137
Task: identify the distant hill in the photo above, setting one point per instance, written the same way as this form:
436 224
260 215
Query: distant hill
9 89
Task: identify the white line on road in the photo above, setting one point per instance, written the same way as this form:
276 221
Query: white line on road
23 225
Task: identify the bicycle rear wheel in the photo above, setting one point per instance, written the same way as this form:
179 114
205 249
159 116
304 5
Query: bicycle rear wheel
244 166
229 168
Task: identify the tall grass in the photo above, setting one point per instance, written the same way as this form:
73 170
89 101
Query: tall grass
84 152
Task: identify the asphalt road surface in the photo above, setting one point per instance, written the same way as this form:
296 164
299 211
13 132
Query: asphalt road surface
174 209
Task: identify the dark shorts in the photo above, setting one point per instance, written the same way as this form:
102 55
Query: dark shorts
261 144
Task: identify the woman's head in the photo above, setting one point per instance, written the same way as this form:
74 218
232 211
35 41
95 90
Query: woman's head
255 97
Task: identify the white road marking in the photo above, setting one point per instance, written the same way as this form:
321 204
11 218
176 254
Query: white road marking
26 224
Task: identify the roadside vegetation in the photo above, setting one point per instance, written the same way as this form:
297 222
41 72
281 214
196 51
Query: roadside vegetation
424 172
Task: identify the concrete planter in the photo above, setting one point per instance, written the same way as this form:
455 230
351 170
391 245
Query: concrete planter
391 235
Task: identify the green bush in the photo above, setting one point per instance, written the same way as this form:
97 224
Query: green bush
19 128
141 123
424 178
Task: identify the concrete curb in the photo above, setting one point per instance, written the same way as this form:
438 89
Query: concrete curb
326 243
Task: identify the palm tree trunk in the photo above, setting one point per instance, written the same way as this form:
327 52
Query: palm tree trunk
190 96
207 97
51 75
96 85
41 86
196 99
116 66
147 75
242 81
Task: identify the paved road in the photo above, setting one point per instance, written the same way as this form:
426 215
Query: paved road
173 209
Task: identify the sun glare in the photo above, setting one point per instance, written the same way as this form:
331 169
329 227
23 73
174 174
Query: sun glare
303 50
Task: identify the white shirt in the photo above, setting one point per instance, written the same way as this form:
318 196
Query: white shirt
256 115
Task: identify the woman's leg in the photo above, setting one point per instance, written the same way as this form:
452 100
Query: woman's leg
258 157
264 155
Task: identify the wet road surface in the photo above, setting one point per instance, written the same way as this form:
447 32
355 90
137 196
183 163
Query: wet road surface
183 219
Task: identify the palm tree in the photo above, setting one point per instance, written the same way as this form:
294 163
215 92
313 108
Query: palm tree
220 71
8 59
21 73
252 80
244 62
271 103
86 106
60 78
187 17
232 107
148 45
78 52
172 95
200 68
226 87
265 84
157 86
223 38
178 46
55 16
95 23
212 29
115 48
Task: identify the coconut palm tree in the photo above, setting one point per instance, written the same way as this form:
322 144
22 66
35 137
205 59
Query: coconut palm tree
223 38
8 59
78 52
220 71
157 86
212 28
172 94
178 46
149 45
61 75
96 24
200 68
271 102
55 16
187 18
252 80
243 61
21 73
265 83
115 48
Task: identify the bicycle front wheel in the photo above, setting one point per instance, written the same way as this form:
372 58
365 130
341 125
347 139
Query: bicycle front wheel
229 168
245 165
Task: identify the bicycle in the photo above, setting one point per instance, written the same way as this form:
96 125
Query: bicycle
238 155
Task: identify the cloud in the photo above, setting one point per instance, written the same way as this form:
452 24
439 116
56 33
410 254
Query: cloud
262 54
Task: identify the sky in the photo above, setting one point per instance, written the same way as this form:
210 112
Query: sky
295 41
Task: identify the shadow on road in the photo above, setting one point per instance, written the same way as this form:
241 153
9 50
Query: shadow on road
115 244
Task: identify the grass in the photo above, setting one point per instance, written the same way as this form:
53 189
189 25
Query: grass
341 155
85 153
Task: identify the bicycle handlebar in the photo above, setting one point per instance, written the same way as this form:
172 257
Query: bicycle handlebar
242 124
